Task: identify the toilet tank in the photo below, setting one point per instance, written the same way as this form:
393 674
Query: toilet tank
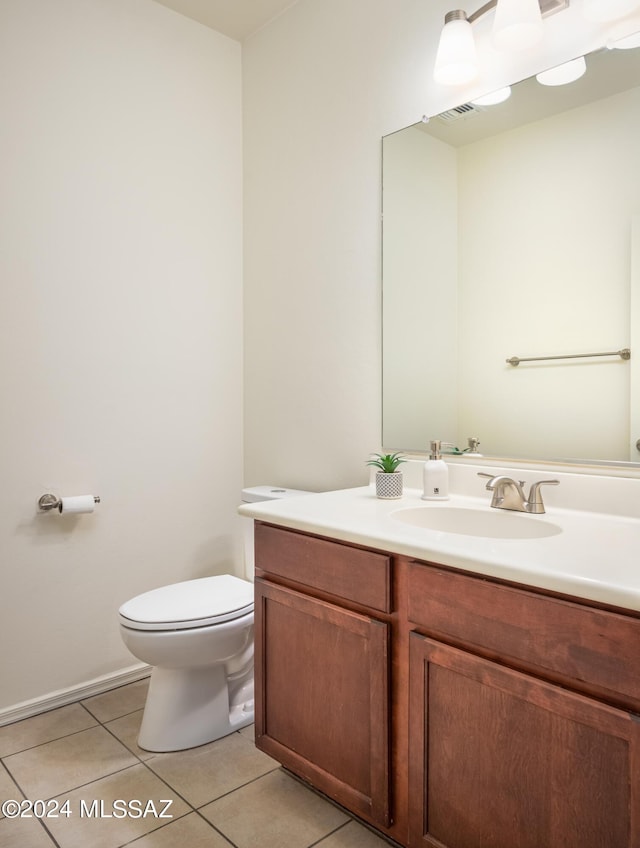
253 495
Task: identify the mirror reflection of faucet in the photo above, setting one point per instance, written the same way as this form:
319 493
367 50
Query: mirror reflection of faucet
470 450
509 493
473 444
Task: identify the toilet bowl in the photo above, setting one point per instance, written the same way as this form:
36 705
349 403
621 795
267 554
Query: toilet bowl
198 637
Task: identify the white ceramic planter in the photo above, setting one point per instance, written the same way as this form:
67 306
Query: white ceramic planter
389 486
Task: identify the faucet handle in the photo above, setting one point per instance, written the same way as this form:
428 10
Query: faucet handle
534 501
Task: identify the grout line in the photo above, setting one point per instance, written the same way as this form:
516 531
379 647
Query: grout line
54 841
192 806
55 739
104 721
168 785
6 767
49 834
108 692
124 744
24 796
97 779
68 790
2 765
331 832
217 830
235 788
87 711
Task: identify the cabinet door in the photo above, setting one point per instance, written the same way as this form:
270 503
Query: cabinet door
500 759
321 696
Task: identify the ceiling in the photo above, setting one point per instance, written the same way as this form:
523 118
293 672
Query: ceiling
236 18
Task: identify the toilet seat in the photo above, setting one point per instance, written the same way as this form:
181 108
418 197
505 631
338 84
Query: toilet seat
192 603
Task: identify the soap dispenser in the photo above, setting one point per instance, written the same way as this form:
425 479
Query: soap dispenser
436 475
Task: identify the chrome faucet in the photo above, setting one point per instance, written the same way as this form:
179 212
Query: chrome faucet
509 493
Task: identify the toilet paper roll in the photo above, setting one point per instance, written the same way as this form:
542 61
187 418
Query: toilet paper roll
77 503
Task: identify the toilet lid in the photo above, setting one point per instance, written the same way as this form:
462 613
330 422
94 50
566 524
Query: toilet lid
193 603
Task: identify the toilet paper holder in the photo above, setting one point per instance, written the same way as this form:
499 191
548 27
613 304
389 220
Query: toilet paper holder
48 502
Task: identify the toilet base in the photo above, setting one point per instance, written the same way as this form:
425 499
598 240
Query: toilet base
190 707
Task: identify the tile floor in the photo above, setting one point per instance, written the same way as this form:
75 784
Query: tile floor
223 794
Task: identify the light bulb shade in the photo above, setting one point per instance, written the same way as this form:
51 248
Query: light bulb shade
456 59
563 74
601 11
517 25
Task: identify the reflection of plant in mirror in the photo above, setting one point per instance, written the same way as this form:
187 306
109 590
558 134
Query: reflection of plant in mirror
387 463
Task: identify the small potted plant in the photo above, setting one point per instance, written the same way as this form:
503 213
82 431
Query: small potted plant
388 478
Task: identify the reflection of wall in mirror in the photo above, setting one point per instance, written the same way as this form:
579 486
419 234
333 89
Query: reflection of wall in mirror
419 379
545 217
544 224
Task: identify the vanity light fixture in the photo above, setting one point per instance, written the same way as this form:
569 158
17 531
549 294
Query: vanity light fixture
517 26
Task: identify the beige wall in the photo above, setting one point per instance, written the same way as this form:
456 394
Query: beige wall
120 322
322 84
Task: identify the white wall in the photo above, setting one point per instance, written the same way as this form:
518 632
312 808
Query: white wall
120 322
322 84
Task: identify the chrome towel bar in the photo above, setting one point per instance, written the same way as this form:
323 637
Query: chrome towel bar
625 353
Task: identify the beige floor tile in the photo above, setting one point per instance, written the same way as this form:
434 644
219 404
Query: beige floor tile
67 763
8 789
192 831
248 732
126 729
118 702
103 825
43 728
283 814
353 835
24 833
204 773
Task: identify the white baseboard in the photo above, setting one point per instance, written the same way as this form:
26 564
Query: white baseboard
76 693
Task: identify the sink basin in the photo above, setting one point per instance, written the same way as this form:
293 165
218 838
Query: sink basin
489 523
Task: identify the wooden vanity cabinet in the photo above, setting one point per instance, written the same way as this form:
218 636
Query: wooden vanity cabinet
447 709
500 756
322 665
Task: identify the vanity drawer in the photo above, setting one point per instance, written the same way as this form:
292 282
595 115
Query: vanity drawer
352 574
563 639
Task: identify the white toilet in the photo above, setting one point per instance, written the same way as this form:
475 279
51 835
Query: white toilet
198 636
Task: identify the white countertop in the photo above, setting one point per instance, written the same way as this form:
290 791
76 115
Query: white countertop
596 556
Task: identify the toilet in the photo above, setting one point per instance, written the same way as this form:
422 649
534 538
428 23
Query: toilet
198 636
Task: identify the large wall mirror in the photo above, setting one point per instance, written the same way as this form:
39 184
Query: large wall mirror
514 231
